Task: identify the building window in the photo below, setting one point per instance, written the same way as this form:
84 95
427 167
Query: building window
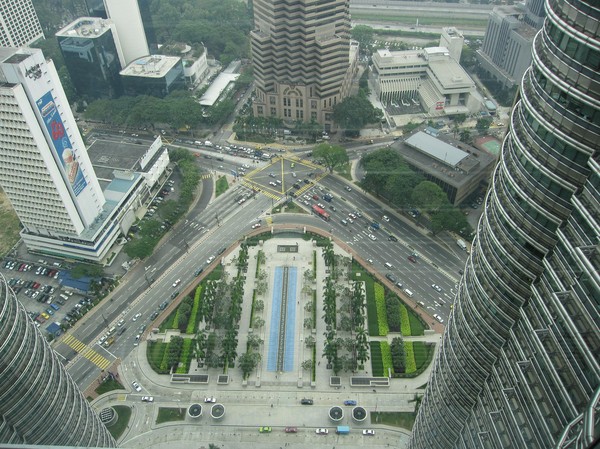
313 104
272 100
287 113
299 114
273 112
313 116
259 110
299 103
327 116
287 101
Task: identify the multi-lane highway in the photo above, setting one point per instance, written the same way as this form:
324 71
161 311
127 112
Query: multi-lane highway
215 224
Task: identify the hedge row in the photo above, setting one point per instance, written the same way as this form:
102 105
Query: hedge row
411 366
386 358
186 356
372 322
422 354
382 324
376 359
192 324
404 321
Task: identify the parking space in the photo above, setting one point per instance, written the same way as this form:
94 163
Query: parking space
37 288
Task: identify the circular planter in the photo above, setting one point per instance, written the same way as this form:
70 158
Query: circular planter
195 411
217 411
359 414
108 416
336 413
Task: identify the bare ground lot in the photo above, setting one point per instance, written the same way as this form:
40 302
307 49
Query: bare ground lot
9 225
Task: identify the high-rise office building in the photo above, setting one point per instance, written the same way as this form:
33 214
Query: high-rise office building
301 57
506 50
91 50
19 24
39 402
133 21
518 365
44 166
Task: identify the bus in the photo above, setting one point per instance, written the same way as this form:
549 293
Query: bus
320 212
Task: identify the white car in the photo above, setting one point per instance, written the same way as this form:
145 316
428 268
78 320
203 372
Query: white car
386 218
369 432
210 400
136 316
147 399
437 317
176 283
256 225
120 323
322 431
436 287
136 386
372 237
210 259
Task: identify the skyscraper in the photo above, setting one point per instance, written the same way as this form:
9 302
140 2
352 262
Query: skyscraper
19 24
91 50
518 365
39 402
301 57
44 166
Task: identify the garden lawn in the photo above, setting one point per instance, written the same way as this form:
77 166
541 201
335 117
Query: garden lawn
186 356
117 429
376 359
155 353
422 352
166 414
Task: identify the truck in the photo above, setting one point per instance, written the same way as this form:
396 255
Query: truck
208 143
342 430
320 212
462 244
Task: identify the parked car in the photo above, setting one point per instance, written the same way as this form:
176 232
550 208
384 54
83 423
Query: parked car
210 400
349 402
291 430
136 386
306 401
369 432
321 431
265 429
147 399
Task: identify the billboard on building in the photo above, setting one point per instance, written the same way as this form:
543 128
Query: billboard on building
61 142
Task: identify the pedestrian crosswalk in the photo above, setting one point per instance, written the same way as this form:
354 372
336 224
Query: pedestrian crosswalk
206 176
87 352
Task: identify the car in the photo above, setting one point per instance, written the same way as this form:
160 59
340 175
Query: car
153 316
210 400
136 386
344 222
437 317
256 225
370 261
271 183
315 197
210 259
332 208
436 287
120 323
372 237
176 283
369 432
291 430
136 316
321 431
391 277
175 294
45 315
306 401
349 190
349 402
265 429
386 218
413 259
392 238
199 271
272 175
162 306
147 399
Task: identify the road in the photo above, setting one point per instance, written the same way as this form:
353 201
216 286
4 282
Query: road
215 225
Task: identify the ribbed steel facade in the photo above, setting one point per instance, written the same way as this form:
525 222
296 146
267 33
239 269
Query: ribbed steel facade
39 402
518 366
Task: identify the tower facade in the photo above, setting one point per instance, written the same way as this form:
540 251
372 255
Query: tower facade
39 402
301 58
518 365
91 50
128 19
19 24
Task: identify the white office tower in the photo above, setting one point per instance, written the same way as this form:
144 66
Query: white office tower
127 18
19 24
453 40
44 166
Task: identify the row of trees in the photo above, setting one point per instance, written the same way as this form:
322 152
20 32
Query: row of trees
390 177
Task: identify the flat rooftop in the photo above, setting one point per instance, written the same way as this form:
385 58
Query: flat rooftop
108 156
450 74
436 149
84 27
154 66
213 93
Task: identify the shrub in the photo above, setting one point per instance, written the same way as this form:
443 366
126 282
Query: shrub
176 319
411 366
192 323
404 321
186 356
376 359
386 358
392 310
381 310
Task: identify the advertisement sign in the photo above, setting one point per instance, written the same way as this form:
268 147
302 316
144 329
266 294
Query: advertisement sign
440 105
62 144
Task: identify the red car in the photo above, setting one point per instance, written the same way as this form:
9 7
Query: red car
291 430
413 259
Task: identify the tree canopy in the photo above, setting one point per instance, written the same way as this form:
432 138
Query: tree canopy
354 112
331 156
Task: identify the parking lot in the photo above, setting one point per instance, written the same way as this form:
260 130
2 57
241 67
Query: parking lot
37 287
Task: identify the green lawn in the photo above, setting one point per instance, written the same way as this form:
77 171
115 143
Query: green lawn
406 420
155 352
422 352
117 429
344 171
166 414
221 186
416 325
109 385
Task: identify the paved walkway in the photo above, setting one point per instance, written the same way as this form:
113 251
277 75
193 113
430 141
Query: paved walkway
267 398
